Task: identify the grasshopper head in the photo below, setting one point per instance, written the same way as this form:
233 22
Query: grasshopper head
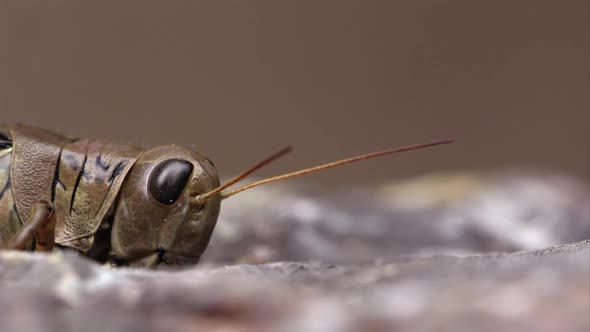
171 198
157 220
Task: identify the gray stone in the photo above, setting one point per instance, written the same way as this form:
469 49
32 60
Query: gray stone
448 213
457 253
547 290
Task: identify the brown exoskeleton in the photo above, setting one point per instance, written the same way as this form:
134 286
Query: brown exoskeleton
115 203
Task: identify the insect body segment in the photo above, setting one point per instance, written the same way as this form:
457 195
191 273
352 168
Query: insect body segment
115 203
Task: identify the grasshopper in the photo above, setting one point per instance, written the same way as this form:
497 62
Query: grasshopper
115 203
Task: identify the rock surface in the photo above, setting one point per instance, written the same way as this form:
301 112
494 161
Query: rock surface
449 213
409 257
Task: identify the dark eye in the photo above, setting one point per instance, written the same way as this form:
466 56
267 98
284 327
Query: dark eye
168 179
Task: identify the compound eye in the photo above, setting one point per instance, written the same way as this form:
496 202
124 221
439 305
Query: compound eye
168 179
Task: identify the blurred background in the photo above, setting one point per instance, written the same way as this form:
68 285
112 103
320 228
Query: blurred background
509 80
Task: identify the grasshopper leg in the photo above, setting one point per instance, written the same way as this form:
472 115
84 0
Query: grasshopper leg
40 225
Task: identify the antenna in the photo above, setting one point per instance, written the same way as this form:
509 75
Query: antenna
200 199
314 169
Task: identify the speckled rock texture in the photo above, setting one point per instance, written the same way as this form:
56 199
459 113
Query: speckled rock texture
451 252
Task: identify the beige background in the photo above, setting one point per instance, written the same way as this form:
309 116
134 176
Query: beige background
239 79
